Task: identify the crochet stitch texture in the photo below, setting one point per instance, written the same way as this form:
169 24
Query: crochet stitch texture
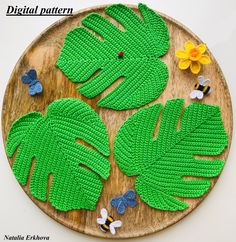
51 141
161 163
132 54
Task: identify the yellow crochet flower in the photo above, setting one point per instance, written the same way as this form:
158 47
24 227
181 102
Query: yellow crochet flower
193 56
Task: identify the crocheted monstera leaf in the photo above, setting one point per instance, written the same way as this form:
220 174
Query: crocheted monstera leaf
51 141
132 54
162 163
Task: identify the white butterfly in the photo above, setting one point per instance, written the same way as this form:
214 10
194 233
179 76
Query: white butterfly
107 222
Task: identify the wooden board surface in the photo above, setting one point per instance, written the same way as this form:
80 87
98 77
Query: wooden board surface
42 55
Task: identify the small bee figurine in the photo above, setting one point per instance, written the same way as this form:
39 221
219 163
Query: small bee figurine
201 88
30 78
107 222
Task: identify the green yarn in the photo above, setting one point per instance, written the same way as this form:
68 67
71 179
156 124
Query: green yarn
161 163
51 140
143 42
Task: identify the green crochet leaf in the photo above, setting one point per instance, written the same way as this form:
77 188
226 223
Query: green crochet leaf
51 140
143 42
162 163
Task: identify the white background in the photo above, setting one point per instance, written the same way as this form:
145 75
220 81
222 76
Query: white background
214 21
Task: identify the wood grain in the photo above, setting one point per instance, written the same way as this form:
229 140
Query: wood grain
42 55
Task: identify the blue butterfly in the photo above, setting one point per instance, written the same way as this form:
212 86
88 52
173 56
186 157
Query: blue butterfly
121 202
30 77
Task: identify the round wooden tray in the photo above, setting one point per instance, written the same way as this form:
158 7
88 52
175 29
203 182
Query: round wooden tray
42 55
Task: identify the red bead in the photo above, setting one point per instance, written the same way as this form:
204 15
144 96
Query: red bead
120 54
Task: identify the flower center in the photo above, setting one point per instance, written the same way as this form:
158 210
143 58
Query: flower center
194 54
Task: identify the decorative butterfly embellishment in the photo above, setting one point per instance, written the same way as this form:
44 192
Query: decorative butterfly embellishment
30 78
126 200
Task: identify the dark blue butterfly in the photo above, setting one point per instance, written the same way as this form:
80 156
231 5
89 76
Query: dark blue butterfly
121 202
30 78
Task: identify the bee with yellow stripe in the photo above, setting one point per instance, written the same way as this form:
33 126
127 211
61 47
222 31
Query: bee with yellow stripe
107 222
201 88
